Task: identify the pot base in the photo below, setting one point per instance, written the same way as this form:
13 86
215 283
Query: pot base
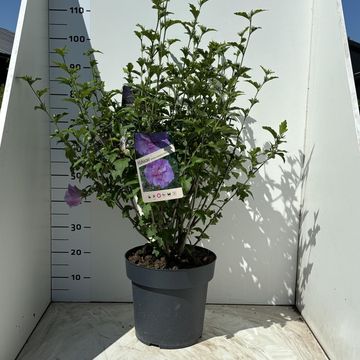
169 319
167 346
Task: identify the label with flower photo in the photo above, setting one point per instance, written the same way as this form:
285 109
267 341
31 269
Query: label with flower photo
157 167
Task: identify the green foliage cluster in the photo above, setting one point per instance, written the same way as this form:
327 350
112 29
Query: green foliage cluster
193 96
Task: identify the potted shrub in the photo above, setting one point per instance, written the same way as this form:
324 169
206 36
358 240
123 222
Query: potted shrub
180 103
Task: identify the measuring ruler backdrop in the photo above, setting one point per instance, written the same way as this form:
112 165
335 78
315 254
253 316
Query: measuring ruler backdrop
69 26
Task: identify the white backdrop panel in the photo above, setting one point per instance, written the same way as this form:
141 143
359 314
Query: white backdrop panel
256 246
24 187
328 286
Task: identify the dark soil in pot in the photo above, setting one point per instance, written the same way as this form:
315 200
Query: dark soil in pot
192 257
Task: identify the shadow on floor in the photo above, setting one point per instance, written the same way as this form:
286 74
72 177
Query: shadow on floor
229 320
104 331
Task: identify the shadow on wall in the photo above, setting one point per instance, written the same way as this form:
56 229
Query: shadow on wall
264 265
307 241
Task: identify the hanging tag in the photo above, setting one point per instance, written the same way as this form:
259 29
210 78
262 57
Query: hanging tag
157 167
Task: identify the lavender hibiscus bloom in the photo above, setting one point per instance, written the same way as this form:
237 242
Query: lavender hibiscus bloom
159 173
148 143
72 196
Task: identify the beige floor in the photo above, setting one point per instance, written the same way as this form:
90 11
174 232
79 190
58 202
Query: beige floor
105 331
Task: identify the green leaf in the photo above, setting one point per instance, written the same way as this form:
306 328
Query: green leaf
283 127
41 92
254 28
243 14
120 165
151 231
270 130
186 184
170 22
253 101
204 236
205 30
266 71
98 167
61 51
112 157
197 160
254 83
146 208
194 11
256 11
29 79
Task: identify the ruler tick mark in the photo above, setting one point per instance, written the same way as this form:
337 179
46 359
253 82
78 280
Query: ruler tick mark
60 289
60 264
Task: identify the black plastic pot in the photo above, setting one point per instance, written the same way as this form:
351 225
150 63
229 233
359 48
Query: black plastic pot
169 305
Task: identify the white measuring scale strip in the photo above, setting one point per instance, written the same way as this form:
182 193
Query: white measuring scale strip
69 26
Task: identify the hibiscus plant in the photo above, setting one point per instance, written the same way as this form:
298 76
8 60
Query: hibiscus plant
192 92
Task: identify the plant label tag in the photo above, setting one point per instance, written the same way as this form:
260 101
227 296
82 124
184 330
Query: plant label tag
157 167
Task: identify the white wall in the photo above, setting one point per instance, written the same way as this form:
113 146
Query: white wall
24 188
256 246
328 285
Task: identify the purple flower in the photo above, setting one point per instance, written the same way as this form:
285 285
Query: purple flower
72 196
148 143
159 173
